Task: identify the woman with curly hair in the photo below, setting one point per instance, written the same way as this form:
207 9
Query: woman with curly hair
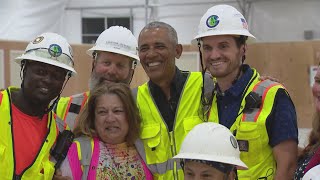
310 156
104 146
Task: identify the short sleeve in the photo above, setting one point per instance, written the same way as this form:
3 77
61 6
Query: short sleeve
282 123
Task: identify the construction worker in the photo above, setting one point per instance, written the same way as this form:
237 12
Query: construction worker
115 57
210 151
170 103
260 114
28 126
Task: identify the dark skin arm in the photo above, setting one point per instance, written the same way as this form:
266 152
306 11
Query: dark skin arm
285 154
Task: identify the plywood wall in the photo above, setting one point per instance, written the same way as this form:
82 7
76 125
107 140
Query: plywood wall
289 62
83 65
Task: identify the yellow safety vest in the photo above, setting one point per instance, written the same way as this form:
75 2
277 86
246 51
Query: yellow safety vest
251 131
68 108
42 168
158 144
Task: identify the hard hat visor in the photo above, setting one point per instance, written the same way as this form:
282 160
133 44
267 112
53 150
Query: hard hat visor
43 55
117 39
251 38
212 157
113 50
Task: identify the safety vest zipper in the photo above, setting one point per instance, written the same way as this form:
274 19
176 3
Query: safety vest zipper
16 177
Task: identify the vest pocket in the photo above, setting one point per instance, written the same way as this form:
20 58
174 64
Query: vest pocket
249 141
151 138
44 171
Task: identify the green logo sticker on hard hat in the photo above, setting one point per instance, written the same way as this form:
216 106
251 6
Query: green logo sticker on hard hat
55 50
233 142
37 40
212 21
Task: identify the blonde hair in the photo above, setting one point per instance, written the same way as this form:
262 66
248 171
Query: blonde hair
314 137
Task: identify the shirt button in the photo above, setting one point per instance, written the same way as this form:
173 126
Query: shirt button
225 107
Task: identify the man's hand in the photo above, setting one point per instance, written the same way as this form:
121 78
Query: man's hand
262 78
58 176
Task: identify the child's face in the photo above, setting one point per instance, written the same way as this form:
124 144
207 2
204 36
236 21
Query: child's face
199 171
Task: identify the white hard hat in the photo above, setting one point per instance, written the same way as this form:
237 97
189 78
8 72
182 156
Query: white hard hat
117 39
50 48
222 20
312 174
211 142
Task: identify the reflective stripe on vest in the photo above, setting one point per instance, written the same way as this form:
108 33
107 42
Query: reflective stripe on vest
41 168
251 128
61 125
251 131
69 108
1 95
160 168
159 145
261 89
85 147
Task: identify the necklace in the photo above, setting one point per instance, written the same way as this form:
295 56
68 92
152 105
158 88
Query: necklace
117 153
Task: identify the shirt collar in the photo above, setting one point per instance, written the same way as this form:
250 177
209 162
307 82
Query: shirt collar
176 83
238 87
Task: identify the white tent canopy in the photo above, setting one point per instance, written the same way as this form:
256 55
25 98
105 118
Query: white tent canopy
269 20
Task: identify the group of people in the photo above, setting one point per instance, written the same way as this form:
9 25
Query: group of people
178 125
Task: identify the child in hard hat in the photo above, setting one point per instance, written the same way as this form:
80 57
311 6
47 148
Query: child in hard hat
210 151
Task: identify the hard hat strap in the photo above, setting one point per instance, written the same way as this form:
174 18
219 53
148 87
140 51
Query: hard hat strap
204 102
58 97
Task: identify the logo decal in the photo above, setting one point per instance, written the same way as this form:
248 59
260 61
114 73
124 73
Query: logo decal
233 142
244 23
212 21
55 50
37 40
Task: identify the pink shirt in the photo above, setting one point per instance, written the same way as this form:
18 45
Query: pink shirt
114 162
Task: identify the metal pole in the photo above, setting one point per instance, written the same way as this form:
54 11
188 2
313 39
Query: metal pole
146 11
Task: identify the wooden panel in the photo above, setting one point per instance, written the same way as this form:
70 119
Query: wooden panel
288 61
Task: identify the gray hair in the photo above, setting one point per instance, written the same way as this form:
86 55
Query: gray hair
158 24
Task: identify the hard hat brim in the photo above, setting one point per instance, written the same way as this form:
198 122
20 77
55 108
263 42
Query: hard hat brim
45 60
251 38
216 158
117 51
313 173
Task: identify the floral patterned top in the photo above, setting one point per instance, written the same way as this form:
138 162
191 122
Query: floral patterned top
302 164
119 162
